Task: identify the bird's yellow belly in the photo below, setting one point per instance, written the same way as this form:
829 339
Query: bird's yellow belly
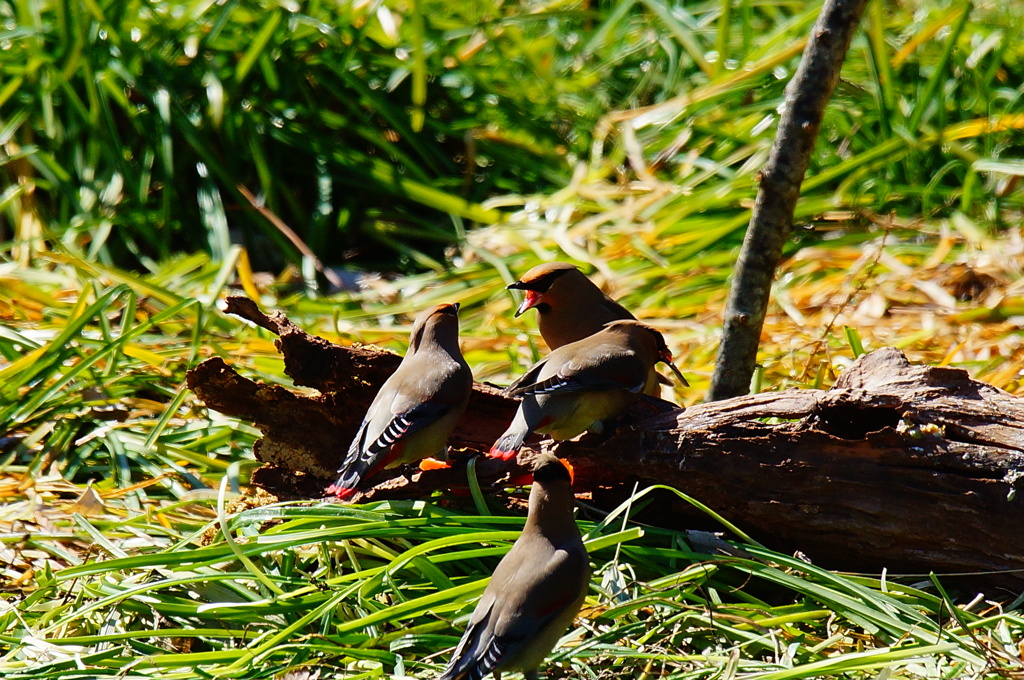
571 415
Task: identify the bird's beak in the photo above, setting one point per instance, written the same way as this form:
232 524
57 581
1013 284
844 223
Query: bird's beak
667 358
531 300
456 305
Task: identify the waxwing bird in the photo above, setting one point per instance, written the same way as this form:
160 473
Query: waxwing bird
571 307
584 384
536 591
417 408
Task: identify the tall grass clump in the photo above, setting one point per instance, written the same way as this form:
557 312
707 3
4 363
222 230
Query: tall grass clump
372 132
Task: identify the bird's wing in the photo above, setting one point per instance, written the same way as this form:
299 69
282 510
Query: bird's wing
422 391
604 367
466 663
613 310
425 394
518 604
527 379
405 423
365 455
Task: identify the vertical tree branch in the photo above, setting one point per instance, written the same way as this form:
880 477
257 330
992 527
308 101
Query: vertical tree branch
806 96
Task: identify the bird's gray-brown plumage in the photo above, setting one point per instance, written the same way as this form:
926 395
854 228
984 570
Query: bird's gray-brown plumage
571 307
582 385
417 408
536 591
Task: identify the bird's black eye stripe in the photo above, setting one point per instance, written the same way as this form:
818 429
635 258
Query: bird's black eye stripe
543 283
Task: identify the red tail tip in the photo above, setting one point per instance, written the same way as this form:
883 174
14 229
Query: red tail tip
338 492
495 452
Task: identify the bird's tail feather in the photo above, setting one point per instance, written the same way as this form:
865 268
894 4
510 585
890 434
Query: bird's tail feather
508 445
346 484
360 466
353 467
469 669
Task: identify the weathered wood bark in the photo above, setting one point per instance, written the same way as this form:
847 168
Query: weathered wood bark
306 436
772 219
907 467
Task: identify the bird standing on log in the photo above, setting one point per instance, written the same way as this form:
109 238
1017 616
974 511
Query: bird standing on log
584 384
417 408
536 591
571 307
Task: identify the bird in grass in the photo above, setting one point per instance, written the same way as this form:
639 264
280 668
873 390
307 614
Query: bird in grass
571 307
536 591
417 408
583 385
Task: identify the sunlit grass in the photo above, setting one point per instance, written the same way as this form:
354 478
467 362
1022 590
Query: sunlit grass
117 485
383 589
624 137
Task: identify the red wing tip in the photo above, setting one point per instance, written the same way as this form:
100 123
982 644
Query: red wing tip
338 492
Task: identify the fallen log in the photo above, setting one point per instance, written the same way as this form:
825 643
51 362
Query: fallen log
909 468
